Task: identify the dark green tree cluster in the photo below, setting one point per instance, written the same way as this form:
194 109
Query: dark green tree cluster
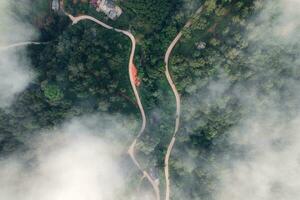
77 72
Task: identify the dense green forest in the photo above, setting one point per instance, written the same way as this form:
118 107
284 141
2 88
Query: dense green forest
83 70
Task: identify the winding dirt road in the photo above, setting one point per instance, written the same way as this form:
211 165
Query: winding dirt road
131 150
178 105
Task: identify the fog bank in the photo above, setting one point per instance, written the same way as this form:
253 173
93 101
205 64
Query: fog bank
76 161
15 73
265 163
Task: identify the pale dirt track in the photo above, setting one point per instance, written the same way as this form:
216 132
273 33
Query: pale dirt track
19 45
131 150
178 106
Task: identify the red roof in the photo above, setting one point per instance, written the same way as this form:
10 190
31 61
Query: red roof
134 73
94 2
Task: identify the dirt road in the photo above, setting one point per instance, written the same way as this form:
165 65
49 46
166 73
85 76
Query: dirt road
20 44
131 150
178 106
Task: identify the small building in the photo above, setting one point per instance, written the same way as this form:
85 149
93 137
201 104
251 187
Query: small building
200 45
108 7
94 2
55 5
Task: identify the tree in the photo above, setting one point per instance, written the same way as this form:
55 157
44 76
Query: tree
52 92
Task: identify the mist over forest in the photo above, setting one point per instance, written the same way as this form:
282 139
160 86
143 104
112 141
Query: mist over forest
69 112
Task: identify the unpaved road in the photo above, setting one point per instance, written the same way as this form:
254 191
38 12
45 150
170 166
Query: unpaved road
178 105
20 44
131 150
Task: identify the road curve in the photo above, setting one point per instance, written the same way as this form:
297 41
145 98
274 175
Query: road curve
131 150
178 105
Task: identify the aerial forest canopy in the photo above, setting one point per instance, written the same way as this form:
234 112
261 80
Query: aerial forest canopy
232 67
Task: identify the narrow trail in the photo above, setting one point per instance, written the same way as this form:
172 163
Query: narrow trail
20 44
131 150
178 105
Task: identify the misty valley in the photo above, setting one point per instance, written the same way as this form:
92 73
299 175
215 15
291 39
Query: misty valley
150 100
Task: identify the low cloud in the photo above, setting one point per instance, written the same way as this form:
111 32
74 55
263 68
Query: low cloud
80 160
15 73
265 162
268 166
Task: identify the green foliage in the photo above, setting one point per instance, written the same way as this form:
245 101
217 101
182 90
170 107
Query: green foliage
52 92
210 5
149 15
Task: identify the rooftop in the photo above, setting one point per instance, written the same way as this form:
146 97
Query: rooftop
55 5
108 7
